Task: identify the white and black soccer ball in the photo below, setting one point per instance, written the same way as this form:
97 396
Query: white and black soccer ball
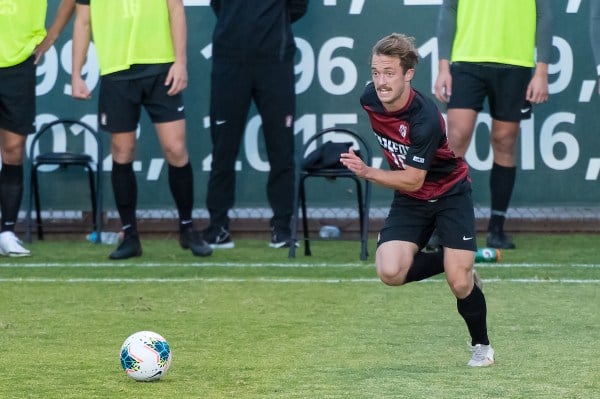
146 356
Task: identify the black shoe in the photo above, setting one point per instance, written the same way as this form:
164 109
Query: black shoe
499 240
129 248
281 238
191 239
218 237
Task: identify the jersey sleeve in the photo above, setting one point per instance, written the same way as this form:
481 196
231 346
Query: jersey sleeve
425 140
446 28
543 30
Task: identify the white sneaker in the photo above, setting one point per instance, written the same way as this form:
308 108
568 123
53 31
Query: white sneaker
481 356
10 245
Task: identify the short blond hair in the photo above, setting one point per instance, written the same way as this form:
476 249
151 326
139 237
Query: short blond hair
400 46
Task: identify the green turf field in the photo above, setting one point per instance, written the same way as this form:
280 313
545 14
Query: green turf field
251 323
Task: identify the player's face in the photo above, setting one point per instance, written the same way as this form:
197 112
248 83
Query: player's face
391 82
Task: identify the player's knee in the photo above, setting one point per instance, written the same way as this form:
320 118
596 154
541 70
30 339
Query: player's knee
123 157
460 287
14 152
176 153
391 275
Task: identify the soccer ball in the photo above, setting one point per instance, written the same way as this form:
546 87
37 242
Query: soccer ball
145 356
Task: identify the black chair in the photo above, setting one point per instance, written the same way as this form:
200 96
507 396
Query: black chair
62 132
324 163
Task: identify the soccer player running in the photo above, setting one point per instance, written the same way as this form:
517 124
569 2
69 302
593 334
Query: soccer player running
141 48
431 189
487 49
23 41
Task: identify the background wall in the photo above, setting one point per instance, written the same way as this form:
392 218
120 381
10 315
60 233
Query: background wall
559 155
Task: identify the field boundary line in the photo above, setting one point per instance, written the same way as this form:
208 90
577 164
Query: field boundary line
269 264
275 280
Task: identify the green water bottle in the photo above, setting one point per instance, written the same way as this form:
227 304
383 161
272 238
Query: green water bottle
487 255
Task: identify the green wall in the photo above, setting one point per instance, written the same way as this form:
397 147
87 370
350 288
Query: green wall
559 155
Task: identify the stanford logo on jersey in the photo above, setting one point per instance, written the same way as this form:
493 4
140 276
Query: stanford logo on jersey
403 129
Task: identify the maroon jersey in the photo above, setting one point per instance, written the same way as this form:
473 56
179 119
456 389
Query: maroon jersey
416 136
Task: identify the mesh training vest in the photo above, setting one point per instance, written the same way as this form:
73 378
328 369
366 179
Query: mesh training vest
128 32
22 27
501 31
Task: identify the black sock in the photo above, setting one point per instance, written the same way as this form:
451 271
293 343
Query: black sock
425 265
125 191
502 182
474 311
181 184
11 194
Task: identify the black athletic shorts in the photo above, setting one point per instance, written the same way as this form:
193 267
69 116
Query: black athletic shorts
121 100
504 86
17 97
414 220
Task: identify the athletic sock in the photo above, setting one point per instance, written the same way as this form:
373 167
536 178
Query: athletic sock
181 184
473 310
125 192
11 194
425 265
502 182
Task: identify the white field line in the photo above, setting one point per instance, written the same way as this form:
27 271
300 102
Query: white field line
191 279
275 280
273 264
195 264
269 280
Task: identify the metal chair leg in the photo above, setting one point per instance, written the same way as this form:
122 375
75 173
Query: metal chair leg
304 219
36 196
361 219
92 196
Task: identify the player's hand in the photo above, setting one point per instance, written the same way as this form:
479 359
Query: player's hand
177 78
354 163
41 49
443 84
537 90
79 89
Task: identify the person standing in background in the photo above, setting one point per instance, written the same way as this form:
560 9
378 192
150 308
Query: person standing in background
487 49
595 35
23 41
252 59
141 49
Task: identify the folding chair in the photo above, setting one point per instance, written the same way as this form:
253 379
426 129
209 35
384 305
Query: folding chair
326 165
64 134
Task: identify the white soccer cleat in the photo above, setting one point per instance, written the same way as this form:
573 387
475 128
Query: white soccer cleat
481 355
10 245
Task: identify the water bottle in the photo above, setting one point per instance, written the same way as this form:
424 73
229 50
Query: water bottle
329 232
487 255
106 237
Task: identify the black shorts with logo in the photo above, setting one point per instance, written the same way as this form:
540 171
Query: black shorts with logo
17 97
121 101
504 86
414 220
